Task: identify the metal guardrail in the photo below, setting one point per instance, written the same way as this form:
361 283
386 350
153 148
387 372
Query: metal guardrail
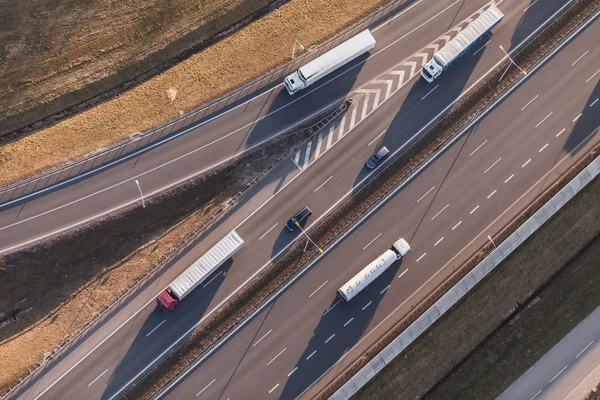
269 76
169 257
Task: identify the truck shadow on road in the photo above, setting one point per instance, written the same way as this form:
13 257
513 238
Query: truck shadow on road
349 322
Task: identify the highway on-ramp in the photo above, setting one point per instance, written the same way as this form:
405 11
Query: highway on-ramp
307 336
137 333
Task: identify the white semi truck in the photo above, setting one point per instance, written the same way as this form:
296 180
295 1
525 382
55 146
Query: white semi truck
462 42
330 61
199 271
369 273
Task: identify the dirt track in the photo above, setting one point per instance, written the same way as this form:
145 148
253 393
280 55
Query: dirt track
220 68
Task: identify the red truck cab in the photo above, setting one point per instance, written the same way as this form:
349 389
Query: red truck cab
166 301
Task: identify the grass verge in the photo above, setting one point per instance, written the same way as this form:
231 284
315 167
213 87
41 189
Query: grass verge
58 286
550 262
246 54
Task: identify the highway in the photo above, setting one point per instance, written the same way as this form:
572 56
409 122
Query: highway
570 370
306 337
135 335
245 123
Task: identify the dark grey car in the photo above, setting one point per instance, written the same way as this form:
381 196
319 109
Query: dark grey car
375 159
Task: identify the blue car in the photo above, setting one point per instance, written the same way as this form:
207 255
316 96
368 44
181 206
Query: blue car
298 217
375 159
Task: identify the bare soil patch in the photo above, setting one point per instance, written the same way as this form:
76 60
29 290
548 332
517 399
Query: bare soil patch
248 53
472 350
56 287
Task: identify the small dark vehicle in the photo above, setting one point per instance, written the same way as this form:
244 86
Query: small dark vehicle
375 159
298 217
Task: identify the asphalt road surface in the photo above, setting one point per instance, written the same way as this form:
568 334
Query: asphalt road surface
245 123
306 337
137 333
570 370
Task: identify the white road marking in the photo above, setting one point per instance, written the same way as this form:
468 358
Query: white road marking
307 155
543 147
422 197
384 289
457 225
577 117
530 101
478 147
377 137
297 160
206 387
422 255
311 354
438 242
531 4
371 242
99 376
561 371
214 277
270 229
482 47
318 149
403 272
491 166
473 210
363 115
367 305
264 336
341 128
292 371
428 93
576 61
440 212
491 194
594 102
591 77
509 178
536 395
542 121
584 349
150 333
347 322
560 133
330 337
322 184
330 308
352 120
330 137
316 290
526 162
274 387
274 358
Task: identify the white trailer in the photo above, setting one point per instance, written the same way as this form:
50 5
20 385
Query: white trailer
330 61
462 42
195 274
375 268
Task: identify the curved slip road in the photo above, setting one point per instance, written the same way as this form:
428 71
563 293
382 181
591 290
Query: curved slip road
265 113
137 334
